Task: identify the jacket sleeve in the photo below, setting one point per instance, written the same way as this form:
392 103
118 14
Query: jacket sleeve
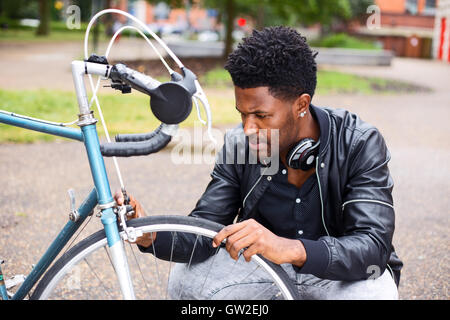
368 218
220 203
221 200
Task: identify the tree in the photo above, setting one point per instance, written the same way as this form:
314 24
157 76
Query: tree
325 12
279 12
227 11
309 12
44 17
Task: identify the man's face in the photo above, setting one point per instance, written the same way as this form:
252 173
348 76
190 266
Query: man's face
261 115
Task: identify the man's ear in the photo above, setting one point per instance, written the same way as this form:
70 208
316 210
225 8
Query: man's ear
301 104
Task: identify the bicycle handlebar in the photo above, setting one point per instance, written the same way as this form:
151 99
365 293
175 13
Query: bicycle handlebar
136 144
136 137
137 80
170 102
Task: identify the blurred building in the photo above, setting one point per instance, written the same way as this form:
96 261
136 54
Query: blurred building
161 18
406 27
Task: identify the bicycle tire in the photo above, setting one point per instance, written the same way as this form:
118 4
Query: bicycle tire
93 243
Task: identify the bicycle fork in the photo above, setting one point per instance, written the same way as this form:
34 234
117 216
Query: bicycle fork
118 255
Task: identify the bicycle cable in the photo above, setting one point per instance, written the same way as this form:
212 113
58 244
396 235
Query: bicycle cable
199 95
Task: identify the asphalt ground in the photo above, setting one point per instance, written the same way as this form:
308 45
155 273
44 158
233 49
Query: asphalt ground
35 178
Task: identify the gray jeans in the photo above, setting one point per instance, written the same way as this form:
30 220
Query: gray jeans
220 277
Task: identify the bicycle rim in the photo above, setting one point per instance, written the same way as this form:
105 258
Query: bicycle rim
85 271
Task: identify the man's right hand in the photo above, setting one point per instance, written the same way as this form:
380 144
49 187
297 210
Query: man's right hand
146 239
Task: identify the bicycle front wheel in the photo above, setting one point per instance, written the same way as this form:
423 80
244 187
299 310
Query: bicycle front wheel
86 272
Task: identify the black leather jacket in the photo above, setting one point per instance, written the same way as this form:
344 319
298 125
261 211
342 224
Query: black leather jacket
356 189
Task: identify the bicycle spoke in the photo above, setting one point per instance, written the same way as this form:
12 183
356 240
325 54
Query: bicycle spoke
264 291
140 270
234 264
189 264
98 278
209 269
242 280
170 262
156 261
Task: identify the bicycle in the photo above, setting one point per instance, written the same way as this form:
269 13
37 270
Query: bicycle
72 276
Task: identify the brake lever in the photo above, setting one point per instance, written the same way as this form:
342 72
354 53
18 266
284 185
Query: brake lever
126 198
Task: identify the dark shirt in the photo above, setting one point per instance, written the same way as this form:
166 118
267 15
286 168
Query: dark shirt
291 212
295 213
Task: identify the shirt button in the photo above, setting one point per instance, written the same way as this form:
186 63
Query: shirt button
283 171
298 200
269 178
300 232
322 165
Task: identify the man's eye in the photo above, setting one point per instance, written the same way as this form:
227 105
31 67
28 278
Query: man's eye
261 116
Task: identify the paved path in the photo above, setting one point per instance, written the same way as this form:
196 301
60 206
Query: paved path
35 177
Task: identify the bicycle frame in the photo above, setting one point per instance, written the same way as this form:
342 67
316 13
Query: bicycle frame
100 195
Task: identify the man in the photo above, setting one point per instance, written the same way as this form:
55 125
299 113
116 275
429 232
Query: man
327 214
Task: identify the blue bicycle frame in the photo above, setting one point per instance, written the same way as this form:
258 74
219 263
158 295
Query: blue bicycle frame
100 195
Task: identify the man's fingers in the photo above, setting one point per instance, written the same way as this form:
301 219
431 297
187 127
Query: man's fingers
235 237
118 196
248 241
226 231
251 251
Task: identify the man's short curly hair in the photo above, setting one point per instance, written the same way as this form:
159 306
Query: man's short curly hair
276 57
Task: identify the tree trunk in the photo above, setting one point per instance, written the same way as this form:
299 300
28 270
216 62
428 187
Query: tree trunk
229 26
260 15
96 7
108 20
44 16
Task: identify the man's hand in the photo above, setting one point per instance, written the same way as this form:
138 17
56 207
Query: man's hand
147 238
259 240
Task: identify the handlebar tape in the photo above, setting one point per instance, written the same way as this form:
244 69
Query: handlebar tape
135 137
139 148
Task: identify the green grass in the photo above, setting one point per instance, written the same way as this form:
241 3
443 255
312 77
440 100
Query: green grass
331 82
123 113
29 36
343 40
219 78
58 32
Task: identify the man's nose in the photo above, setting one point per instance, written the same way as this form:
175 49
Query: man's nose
250 127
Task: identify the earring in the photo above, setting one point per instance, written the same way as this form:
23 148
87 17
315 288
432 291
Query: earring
302 114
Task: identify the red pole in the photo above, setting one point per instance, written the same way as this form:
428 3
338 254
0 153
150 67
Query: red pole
441 40
448 58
